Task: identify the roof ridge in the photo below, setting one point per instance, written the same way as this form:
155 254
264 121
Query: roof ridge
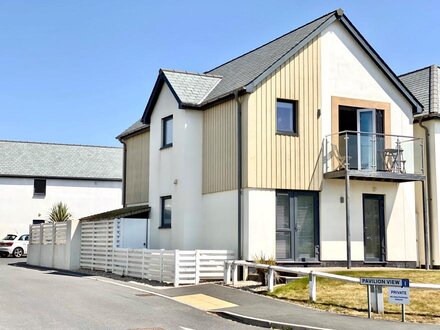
417 70
61 144
273 40
193 73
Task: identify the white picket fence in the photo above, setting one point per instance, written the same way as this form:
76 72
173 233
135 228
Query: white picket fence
169 266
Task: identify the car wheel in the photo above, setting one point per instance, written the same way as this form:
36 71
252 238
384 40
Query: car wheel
3 255
18 252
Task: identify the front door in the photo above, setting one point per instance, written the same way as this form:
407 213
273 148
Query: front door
374 228
297 224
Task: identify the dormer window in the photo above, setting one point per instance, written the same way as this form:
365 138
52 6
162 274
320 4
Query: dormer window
167 132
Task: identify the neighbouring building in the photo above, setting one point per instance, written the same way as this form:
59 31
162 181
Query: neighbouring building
35 176
425 85
302 149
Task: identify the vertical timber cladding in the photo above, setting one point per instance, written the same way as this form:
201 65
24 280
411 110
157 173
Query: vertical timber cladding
137 168
220 147
281 161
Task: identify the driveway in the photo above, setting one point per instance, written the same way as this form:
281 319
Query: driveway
36 299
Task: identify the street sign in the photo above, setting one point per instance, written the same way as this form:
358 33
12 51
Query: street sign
394 282
398 296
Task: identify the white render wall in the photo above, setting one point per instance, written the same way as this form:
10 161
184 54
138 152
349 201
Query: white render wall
19 206
347 71
400 224
176 171
259 224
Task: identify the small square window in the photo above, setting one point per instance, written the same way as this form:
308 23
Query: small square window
167 132
39 187
287 117
166 210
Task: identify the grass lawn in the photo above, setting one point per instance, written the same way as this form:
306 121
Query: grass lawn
351 298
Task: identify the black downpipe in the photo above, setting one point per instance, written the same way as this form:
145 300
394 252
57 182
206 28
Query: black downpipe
124 173
239 178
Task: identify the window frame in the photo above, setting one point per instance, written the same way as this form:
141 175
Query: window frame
294 103
164 225
165 145
45 186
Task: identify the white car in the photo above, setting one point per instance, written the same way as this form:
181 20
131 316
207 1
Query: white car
16 245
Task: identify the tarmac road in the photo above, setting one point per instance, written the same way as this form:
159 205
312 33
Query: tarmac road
37 299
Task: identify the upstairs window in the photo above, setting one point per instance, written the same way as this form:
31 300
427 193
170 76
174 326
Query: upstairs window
39 187
166 209
167 132
287 114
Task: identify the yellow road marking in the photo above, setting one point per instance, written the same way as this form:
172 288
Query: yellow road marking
204 302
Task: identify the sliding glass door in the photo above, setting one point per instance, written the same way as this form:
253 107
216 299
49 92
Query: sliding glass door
297 224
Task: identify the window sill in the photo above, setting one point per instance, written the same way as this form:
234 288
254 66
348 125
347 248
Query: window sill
165 227
287 133
166 146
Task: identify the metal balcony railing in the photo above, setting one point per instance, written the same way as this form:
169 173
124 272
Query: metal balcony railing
373 152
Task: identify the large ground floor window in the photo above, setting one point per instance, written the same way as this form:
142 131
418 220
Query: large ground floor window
297 225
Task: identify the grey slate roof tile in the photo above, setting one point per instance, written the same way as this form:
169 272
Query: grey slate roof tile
137 126
424 85
244 69
191 88
60 160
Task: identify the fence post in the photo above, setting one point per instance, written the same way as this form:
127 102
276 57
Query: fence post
197 278
176 268
234 274
161 266
126 265
143 263
54 236
227 272
270 280
312 286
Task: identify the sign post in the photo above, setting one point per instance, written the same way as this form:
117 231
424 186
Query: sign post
398 294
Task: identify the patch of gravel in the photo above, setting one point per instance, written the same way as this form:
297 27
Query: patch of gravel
124 278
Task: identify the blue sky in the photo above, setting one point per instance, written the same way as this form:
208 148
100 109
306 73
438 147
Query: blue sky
82 71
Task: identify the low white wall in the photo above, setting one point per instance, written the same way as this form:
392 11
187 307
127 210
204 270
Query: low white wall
60 256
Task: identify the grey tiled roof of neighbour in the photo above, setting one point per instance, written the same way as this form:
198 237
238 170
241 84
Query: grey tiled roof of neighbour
33 159
137 126
425 86
191 88
246 68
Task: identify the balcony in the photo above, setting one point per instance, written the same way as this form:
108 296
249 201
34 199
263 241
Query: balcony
373 156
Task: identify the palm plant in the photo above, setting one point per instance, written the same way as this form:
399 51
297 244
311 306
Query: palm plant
59 213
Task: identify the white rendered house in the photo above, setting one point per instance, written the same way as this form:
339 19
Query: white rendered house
35 176
302 150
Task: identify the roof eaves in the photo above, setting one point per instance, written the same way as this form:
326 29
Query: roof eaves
417 106
250 87
136 131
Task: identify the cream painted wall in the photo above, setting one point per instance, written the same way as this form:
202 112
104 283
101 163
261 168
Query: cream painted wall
399 219
19 206
259 232
176 171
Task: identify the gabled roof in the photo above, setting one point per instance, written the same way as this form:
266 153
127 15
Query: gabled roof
245 72
67 161
137 127
424 84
